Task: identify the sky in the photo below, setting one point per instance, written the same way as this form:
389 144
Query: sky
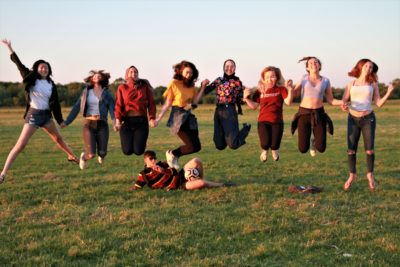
78 36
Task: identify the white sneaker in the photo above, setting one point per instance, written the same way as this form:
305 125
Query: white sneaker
100 160
264 155
313 151
275 154
82 161
172 160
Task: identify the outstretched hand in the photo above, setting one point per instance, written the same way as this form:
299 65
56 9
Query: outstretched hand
8 44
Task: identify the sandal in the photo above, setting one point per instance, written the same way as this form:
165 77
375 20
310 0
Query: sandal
2 178
348 183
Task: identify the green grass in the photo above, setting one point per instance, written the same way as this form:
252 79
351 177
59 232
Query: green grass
52 213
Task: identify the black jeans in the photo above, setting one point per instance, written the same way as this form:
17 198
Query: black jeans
95 136
134 133
226 128
270 135
365 125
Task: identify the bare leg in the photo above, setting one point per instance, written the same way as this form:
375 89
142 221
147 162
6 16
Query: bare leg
201 183
371 181
26 134
52 130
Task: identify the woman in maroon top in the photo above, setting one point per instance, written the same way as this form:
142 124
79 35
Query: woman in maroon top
135 110
270 96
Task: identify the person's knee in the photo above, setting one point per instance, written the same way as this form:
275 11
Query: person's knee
351 152
197 161
197 148
127 152
320 149
303 149
233 146
220 147
19 147
369 152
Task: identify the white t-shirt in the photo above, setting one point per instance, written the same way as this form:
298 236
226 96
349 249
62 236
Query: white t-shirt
40 94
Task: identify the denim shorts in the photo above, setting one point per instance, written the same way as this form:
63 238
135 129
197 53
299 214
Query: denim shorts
38 117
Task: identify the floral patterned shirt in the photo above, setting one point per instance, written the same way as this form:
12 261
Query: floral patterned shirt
228 90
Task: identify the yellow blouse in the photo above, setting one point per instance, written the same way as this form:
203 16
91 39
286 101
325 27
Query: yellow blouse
179 94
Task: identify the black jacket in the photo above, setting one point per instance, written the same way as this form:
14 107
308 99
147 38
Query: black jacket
29 77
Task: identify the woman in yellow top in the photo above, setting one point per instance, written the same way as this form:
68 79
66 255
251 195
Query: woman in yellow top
183 97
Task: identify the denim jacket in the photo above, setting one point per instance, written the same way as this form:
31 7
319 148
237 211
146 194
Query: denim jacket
106 104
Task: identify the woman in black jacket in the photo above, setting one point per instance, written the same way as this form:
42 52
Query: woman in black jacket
42 104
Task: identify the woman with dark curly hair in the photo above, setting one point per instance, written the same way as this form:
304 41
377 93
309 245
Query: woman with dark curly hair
135 110
183 97
95 103
361 93
42 103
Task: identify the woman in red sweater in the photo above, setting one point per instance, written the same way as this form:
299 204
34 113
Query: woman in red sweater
270 96
135 110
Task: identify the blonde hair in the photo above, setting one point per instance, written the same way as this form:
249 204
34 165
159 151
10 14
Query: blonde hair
280 81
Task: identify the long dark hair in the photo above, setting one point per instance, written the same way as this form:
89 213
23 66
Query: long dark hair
104 75
306 59
356 70
178 68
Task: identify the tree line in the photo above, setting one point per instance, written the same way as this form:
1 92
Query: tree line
12 93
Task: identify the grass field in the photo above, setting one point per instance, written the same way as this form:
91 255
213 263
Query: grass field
53 213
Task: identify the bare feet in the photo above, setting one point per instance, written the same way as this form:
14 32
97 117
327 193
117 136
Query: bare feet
371 181
347 184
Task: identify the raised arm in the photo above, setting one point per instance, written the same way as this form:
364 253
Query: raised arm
24 71
377 98
7 43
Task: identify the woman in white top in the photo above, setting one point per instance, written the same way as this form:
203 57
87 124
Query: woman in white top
311 117
95 103
361 92
42 102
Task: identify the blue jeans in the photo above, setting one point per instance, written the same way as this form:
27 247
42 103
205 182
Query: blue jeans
226 128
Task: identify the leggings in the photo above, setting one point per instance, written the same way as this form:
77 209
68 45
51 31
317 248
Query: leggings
190 139
304 133
134 133
270 135
95 136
